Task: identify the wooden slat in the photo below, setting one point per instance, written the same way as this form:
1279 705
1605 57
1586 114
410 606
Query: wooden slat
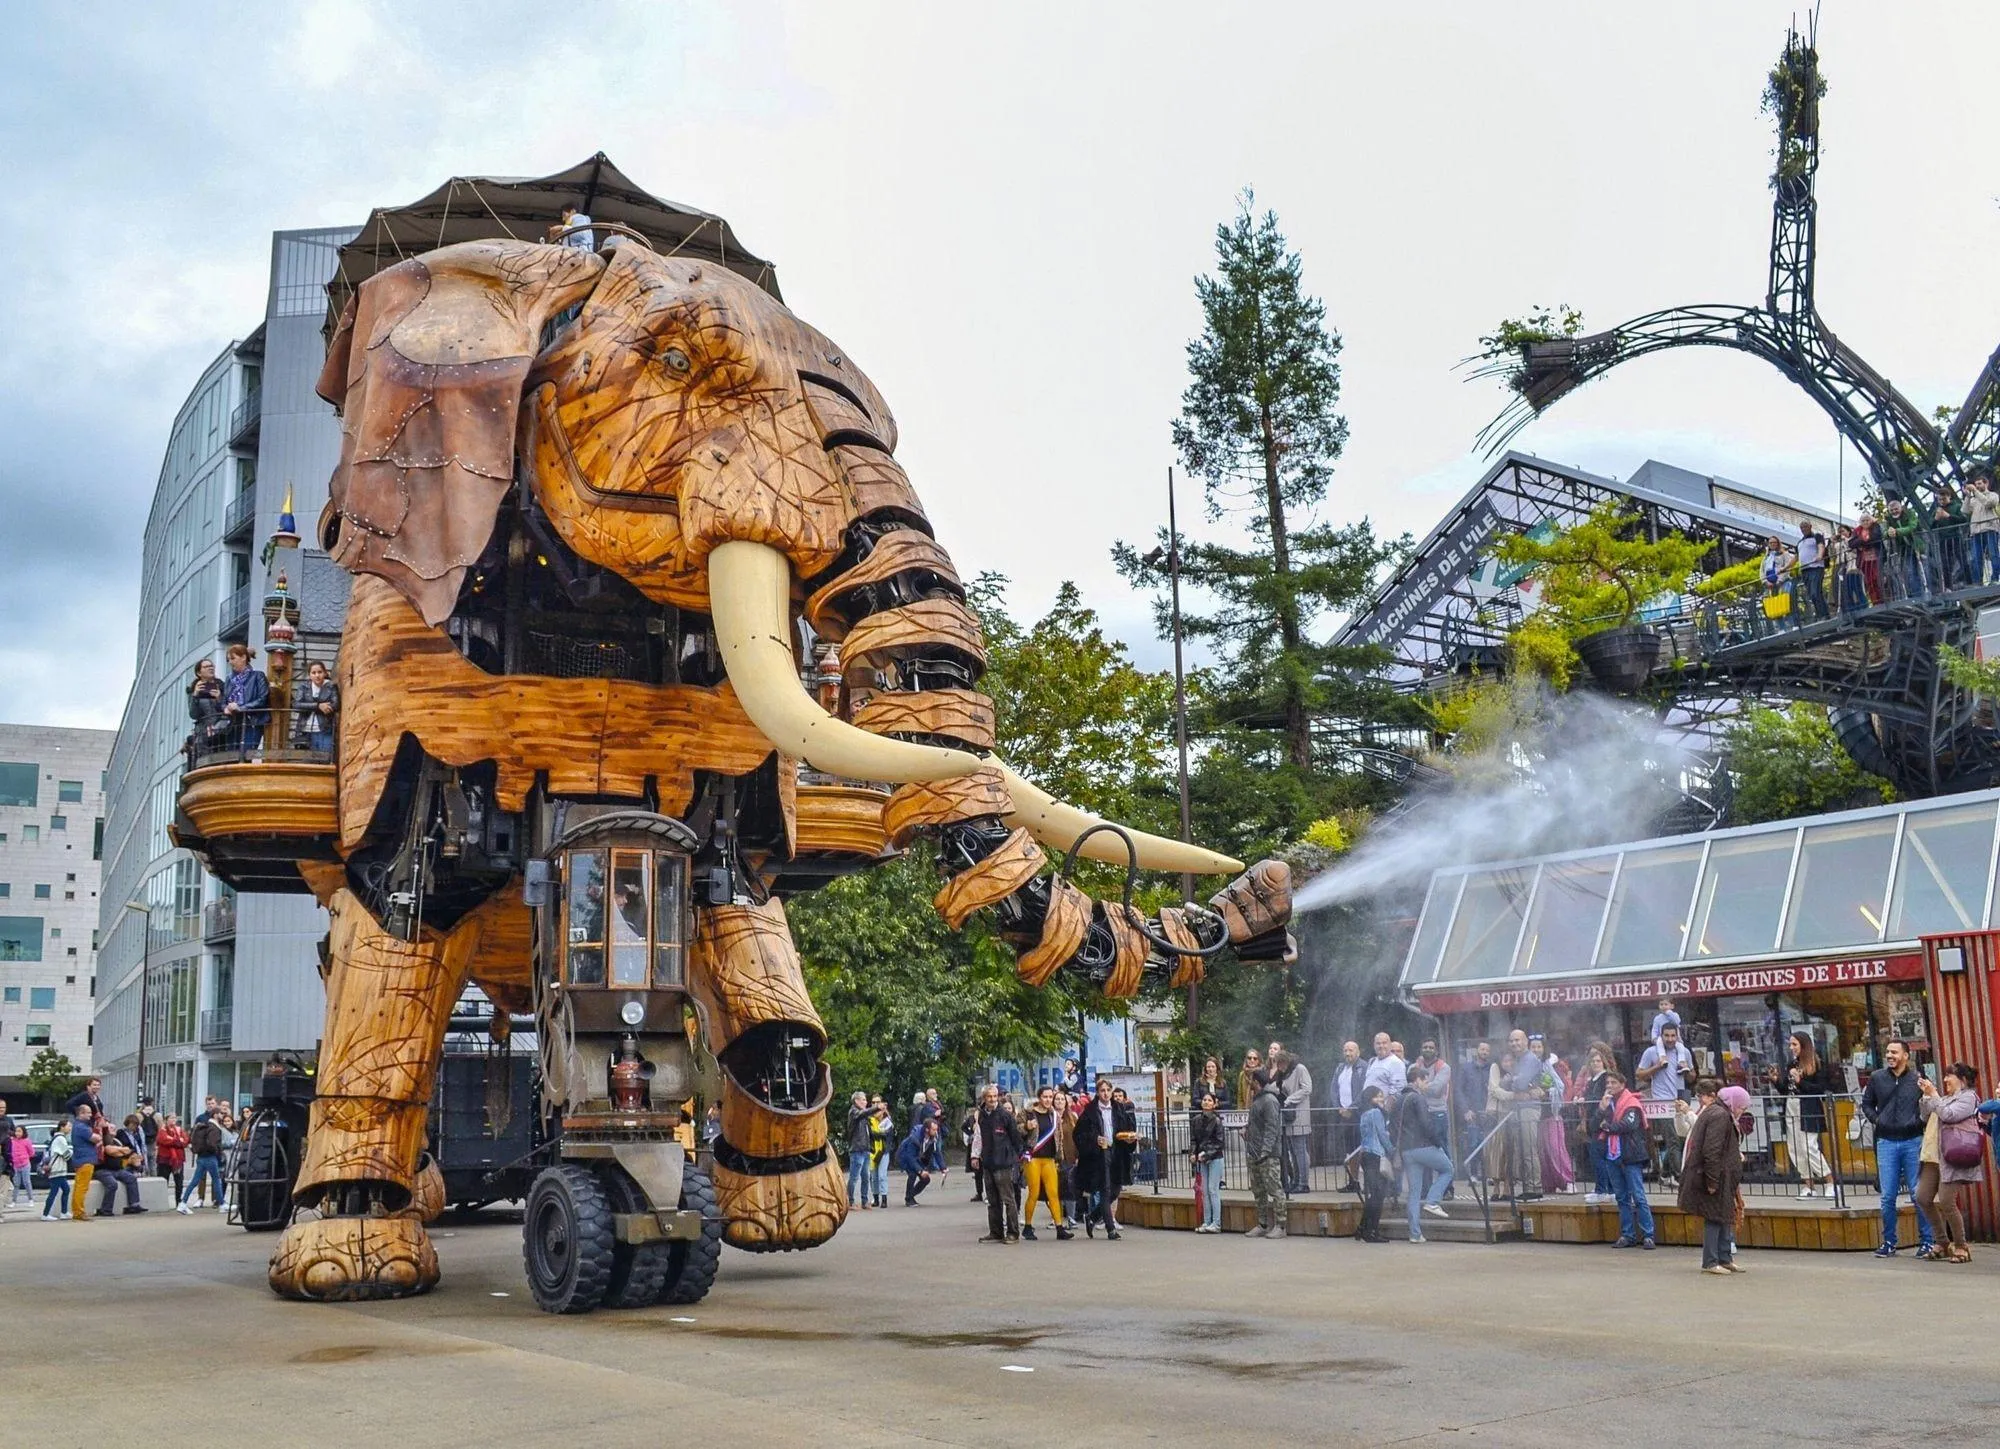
879 486
928 624
261 797
589 736
840 820
1188 970
744 970
1130 968
928 804
999 875
838 416
903 551
757 1128
956 714
1062 932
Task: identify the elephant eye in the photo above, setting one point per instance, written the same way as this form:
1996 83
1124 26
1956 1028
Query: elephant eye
675 359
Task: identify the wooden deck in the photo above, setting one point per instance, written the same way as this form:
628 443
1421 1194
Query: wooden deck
1768 1222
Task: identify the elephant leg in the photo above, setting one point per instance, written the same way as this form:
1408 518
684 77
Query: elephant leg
362 1192
776 1183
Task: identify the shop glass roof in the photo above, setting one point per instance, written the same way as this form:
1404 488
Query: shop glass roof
1860 879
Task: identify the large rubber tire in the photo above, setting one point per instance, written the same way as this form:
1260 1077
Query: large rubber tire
691 1265
566 1242
638 1273
270 1165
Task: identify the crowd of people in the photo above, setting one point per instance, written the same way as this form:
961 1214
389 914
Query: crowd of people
234 713
92 1145
1522 1121
1885 555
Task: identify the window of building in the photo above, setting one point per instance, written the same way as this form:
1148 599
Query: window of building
1742 893
3 837
55 931
1840 885
69 790
20 938
30 834
58 823
41 892
38 1034
6 889
1438 908
18 783
70 980
70 877
1569 907
69 895
1649 909
97 840
70 951
10 996
41 998
1481 943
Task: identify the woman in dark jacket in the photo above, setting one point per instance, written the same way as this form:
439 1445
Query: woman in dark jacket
1711 1172
1104 1161
1210 1080
1588 1089
1805 1085
204 707
1205 1148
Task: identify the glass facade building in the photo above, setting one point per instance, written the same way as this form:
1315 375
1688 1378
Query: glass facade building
216 983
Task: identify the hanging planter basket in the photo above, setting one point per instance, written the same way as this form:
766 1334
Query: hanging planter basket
1621 660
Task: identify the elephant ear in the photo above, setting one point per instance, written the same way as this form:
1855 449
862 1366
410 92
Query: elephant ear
426 368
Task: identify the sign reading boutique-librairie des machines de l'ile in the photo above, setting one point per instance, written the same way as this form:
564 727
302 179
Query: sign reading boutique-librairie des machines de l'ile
1681 985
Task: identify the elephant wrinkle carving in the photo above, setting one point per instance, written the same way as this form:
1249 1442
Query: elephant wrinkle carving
636 572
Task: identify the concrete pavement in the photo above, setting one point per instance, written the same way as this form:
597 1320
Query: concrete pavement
905 1331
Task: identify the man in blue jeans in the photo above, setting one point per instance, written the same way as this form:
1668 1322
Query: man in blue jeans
1626 1148
1890 1103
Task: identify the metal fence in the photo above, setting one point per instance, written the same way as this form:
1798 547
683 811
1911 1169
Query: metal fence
1530 1152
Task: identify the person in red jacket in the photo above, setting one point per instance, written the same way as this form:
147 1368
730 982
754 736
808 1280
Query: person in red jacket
171 1147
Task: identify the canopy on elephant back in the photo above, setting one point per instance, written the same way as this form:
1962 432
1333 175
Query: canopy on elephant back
478 208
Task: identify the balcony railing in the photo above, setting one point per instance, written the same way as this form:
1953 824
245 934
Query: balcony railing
240 515
218 920
232 620
217 1028
244 421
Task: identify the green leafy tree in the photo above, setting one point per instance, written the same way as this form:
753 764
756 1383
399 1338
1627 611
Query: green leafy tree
910 1003
1260 425
1788 762
52 1076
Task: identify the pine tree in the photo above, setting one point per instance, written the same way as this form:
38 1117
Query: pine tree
1260 426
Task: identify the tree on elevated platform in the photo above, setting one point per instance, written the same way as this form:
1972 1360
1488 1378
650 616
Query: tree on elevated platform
1788 762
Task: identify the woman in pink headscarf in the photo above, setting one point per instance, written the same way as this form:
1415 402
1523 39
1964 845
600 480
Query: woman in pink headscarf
1737 1100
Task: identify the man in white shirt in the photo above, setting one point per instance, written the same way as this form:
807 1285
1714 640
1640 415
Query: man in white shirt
1388 1072
1812 565
1663 1070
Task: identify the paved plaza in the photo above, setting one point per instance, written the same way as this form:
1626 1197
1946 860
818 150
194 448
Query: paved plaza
904 1331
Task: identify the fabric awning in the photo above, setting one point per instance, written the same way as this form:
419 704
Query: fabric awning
470 208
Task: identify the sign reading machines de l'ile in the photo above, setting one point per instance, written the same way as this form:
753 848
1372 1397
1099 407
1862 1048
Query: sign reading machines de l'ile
1454 552
1736 981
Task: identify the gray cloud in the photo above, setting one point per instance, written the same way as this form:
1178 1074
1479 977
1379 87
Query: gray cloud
997 213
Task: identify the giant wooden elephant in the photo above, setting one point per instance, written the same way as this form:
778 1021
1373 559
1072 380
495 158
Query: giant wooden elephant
632 545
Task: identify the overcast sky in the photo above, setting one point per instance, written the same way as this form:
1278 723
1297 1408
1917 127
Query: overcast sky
998 214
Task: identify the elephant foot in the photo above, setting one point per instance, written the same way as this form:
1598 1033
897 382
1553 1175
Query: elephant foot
779 1212
426 1203
346 1259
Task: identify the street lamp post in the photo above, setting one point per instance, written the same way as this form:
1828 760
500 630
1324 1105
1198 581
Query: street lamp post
145 986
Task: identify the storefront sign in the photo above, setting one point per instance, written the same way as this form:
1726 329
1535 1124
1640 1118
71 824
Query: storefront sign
1682 986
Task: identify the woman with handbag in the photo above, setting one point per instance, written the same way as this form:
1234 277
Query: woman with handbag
1954 1154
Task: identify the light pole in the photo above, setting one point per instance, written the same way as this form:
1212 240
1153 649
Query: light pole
145 987
1173 562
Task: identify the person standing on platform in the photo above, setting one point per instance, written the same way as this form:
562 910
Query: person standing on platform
1812 566
1846 572
246 700
315 705
1710 1175
1626 1147
1890 1103
1386 1071
1263 1145
1205 1150
1423 1152
995 1151
1248 1077
1468 1091
1348 1079
1297 1084
1588 1093
1663 1070
1807 1087
1982 510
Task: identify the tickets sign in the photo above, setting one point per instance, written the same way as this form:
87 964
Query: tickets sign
1443 998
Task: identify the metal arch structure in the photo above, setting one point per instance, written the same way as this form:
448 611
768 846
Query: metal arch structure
1437 617
1907 456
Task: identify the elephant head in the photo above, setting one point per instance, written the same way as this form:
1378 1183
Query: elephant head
686 431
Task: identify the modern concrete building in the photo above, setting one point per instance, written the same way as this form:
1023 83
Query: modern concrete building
224 980
51 836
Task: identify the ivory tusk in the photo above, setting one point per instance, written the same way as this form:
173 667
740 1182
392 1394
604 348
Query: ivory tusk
750 594
1057 826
